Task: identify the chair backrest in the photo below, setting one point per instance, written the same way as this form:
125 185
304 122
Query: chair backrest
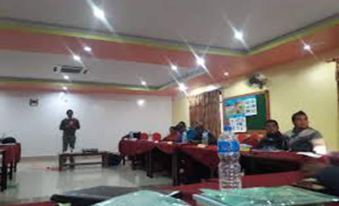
143 136
8 140
156 136
242 138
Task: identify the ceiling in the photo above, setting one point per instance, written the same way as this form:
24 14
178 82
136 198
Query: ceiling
40 66
195 21
141 38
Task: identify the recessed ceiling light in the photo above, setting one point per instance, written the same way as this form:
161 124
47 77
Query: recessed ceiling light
141 102
99 13
144 83
307 47
76 57
174 67
182 87
200 61
64 88
226 74
87 48
66 77
238 35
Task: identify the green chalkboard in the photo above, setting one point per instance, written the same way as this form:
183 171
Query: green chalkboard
255 122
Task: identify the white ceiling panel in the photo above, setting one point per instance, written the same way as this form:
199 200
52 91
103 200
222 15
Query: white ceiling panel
40 66
204 22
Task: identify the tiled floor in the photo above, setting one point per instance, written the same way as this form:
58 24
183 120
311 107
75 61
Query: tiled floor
34 181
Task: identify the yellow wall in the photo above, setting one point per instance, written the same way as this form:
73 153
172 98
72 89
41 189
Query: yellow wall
307 85
180 110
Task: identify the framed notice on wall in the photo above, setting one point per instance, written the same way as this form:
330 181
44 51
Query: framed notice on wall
247 112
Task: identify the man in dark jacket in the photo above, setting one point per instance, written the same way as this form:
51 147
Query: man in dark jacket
69 126
274 140
199 137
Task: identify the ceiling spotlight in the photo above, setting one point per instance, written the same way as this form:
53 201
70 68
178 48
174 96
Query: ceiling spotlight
99 13
307 47
87 48
226 74
182 87
64 88
238 35
200 61
141 102
143 83
174 67
66 77
77 58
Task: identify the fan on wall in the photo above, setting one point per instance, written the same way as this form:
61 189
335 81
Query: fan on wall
257 80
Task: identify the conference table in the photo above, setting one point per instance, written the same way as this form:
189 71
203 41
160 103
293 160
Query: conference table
3 174
248 181
10 156
13 156
169 149
252 161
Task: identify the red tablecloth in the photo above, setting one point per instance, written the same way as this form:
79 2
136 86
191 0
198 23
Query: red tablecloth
11 152
17 152
207 156
285 156
265 180
334 158
167 148
131 148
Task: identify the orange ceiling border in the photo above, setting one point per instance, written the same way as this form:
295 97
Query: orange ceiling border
33 27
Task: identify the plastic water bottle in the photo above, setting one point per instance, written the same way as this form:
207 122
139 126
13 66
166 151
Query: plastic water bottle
130 135
229 154
204 138
150 137
184 137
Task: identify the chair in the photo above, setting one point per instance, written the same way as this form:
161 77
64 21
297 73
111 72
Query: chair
242 138
156 136
250 139
143 136
254 139
6 161
8 140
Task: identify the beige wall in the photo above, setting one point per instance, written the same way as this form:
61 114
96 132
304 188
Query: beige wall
180 110
307 85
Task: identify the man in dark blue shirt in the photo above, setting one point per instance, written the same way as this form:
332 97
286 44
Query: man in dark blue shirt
274 140
69 126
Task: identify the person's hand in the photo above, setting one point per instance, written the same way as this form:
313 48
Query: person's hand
71 124
312 169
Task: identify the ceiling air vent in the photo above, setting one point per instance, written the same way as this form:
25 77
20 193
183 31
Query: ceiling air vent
67 69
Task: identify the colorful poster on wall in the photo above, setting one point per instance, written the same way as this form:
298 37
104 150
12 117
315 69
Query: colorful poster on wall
250 106
237 109
238 123
242 105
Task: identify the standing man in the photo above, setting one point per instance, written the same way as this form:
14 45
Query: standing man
304 138
69 126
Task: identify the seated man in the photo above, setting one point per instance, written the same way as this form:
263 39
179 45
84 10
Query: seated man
173 135
304 138
273 140
191 132
200 132
181 127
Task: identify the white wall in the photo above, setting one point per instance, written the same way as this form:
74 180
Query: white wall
104 119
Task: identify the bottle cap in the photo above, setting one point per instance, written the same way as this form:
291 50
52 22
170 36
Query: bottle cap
227 128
